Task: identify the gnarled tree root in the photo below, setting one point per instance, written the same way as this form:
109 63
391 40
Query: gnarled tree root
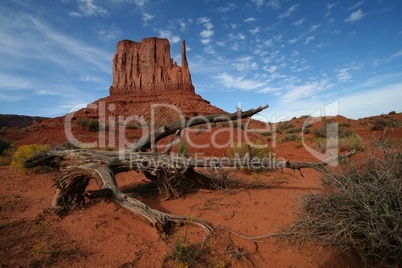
71 187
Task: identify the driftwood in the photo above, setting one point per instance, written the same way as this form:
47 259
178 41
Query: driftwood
79 166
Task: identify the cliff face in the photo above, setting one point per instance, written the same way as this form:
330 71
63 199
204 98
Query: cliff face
146 67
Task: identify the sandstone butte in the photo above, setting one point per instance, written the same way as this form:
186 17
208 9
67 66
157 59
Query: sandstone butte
144 74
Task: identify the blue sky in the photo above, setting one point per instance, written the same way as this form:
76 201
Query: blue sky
297 56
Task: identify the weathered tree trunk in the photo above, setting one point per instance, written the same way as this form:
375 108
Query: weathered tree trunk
79 166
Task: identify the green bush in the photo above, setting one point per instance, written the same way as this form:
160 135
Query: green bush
392 113
25 152
361 210
4 145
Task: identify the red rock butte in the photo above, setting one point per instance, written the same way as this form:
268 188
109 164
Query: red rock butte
144 74
140 67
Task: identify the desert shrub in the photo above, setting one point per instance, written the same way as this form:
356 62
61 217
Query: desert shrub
392 113
320 132
259 150
292 130
25 152
343 125
92 125
4 145
347 143
282 127
3 130
378 124
133 126
289 137
183 147
306 130
360 212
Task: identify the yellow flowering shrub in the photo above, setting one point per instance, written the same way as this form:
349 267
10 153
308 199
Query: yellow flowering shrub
24 153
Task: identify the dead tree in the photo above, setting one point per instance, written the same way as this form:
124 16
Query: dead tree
79 166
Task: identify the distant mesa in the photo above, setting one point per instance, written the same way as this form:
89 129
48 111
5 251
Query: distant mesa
146 66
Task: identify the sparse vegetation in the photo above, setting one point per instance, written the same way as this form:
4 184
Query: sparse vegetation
361 212
184 253
92 125
282 127
133 126
289 137
260 150
346 143
380 124
25 152
4 145
183 148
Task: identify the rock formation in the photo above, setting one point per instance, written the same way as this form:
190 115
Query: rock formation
146 67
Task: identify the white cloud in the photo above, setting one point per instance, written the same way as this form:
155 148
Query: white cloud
274 3
109 33
169 35
255 30
356 5
314 27
379 100
258 3
355 16
308 90
288 12
299 22
309 39
397 54
250 19
227 8
147 17
88 8
207 33
238 82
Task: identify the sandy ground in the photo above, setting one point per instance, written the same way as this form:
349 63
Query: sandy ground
104 235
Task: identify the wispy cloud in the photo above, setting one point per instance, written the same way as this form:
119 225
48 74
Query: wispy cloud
310 89
346 74
238 82
169 35
250 19
397 54
258 3
355 16
299 22
288 12
358 4
109 33
255 30
147 17
274 3
309 39
88 8
229 7
207 33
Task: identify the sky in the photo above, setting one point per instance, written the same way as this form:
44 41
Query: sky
300 57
